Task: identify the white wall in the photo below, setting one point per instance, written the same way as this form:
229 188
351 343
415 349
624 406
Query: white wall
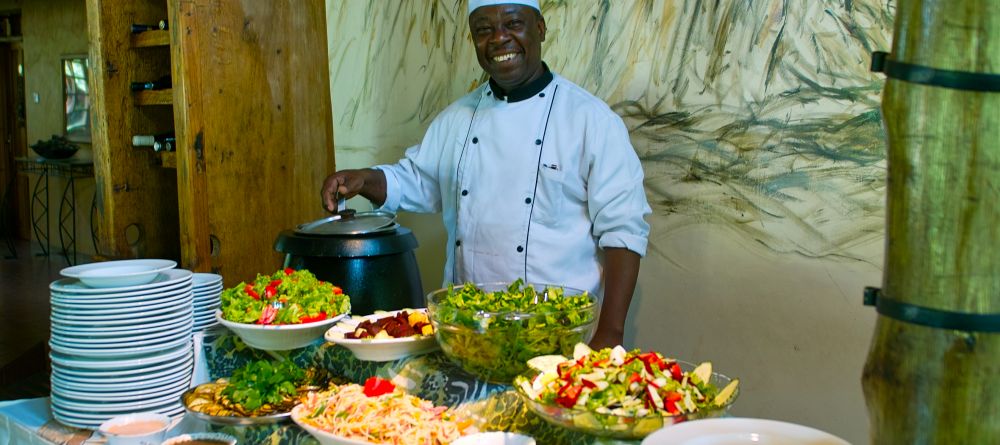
763 151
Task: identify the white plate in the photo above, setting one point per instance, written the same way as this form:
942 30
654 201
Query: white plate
95 379
739 431
122 375
495 438
207 298
125 394
382 349
325 438
120 363
202 279
116 331
122 352
202 318
153 295
210 290
114 274
137 317
165 278
89 419
121 322
181 296
138 295
164 381
137 403
174 410
75 340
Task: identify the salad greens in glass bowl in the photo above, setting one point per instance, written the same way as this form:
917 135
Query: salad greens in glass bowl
285 310
491 330
623 394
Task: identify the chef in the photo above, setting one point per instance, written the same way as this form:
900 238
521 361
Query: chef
534 176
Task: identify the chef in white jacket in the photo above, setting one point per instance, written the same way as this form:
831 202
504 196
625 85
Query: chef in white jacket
534 176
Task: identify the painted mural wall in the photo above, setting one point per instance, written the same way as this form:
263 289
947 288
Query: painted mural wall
758 127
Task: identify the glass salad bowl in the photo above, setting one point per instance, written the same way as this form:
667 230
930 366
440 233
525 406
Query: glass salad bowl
607 424
491 330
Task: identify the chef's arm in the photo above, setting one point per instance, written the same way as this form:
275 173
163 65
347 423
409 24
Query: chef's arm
621 269
367 182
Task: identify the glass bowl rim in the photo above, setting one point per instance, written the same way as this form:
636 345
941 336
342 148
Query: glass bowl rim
512 314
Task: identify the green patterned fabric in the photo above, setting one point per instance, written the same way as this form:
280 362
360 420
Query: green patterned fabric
430 376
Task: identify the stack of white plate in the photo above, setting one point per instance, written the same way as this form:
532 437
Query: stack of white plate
120 349
207 288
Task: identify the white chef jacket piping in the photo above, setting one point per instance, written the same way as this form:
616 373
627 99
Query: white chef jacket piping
425 172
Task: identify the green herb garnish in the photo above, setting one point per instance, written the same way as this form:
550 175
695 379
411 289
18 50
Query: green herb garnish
263 382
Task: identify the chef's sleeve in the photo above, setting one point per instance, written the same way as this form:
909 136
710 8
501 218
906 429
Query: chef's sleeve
615 193
412 183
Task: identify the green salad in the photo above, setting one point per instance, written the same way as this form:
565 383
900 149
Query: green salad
610 389
493 334
284 297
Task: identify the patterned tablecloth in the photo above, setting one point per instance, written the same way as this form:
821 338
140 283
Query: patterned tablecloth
430 376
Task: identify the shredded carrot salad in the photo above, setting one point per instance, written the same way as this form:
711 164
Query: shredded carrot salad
391 418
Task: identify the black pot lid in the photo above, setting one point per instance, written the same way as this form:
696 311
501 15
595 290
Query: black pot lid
349 222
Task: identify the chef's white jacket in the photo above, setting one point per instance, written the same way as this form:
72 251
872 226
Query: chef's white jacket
531 189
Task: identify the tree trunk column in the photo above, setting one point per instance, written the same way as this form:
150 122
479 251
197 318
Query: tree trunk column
923 384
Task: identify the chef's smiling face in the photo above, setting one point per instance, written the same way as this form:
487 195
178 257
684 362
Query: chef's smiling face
508 41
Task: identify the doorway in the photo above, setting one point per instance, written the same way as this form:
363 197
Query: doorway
14 214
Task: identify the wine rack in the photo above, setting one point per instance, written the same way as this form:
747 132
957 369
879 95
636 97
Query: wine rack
250 108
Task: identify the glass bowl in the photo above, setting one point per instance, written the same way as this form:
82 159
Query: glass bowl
621 427
495 345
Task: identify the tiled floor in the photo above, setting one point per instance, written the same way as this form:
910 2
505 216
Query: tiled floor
24 309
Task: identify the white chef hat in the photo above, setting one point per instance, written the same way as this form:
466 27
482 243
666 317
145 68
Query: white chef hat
474 4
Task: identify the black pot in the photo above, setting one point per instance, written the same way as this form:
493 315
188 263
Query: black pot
377 270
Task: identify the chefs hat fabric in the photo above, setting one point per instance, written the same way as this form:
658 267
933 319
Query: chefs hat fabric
473 4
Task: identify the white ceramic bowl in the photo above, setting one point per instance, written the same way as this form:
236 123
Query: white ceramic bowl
117 274
136 429
279 337
212 438
381 349
495 438
738 431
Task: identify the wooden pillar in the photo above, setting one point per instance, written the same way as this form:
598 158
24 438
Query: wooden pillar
924 384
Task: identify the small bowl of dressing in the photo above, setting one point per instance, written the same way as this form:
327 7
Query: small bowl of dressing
136 429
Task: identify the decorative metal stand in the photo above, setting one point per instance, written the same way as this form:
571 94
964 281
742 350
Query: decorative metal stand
71 169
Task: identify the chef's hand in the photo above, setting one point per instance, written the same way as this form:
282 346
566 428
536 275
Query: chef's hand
605 339
367 182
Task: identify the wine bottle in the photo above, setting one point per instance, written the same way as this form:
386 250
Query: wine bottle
159 142
139 27
158 84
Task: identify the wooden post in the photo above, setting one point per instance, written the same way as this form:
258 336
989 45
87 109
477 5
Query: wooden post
924 384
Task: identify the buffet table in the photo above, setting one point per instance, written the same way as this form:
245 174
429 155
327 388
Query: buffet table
431 376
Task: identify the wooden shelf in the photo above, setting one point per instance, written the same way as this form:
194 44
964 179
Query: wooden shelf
168 159
152 38
154 97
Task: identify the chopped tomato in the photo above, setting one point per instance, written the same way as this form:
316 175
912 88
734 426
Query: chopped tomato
318 317
376 386
289 271
252 293
569 395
